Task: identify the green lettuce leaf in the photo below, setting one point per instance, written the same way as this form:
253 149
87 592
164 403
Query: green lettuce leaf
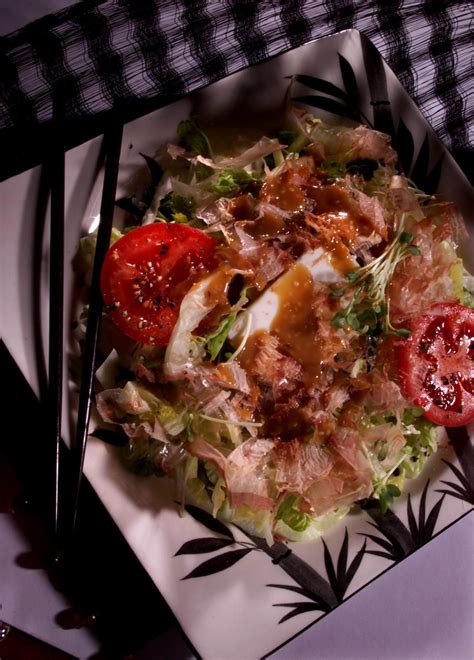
176 208
229 181
422 441
193 139
290 514
142 457
216 340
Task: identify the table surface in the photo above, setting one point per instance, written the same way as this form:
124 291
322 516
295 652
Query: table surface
423 608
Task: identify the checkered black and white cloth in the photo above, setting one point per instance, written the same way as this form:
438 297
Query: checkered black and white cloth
137 54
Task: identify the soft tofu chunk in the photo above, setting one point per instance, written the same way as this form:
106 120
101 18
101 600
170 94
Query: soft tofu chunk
265 308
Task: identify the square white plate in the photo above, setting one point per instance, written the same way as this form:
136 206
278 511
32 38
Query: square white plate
241 599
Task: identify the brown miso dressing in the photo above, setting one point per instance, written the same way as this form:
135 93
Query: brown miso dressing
217 291
333 199
286 196
339 256
338 223
295 323
251 348
285 190
243 207
267 226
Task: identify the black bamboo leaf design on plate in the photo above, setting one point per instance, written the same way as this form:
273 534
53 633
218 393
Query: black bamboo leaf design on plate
399 541
323 595
203 545
383 121
347 103
349 79
431 181
329 105
425 179
302 573
209 521
130 205
405 146
377 81
320 85
419 171
156 172
155 168
464 449
137 207
116 438
217 564
341 577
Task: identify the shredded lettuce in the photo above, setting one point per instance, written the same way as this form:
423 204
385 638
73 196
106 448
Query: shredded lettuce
84 258
141 457
193 139
468 298
334 169
456 275
318 526
467 289
229 181
290 514
422 441
387 493
183 350
176 208
134 404
397 443
217 339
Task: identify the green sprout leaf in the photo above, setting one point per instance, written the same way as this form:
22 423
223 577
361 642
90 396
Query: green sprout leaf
338 320
368 311
406 237
352 275
337 293
403 332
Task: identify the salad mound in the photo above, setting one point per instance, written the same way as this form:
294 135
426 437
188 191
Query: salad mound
287 327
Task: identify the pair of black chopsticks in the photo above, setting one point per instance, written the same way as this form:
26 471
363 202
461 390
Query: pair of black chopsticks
65 497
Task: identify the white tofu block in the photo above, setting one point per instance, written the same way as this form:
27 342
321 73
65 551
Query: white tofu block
265 308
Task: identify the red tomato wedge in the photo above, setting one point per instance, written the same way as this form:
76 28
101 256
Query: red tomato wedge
147 273
436 364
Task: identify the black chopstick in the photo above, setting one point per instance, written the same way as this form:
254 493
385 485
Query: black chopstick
112 143
56 294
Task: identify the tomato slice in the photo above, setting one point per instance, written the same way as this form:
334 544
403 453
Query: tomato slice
436 364
147 273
